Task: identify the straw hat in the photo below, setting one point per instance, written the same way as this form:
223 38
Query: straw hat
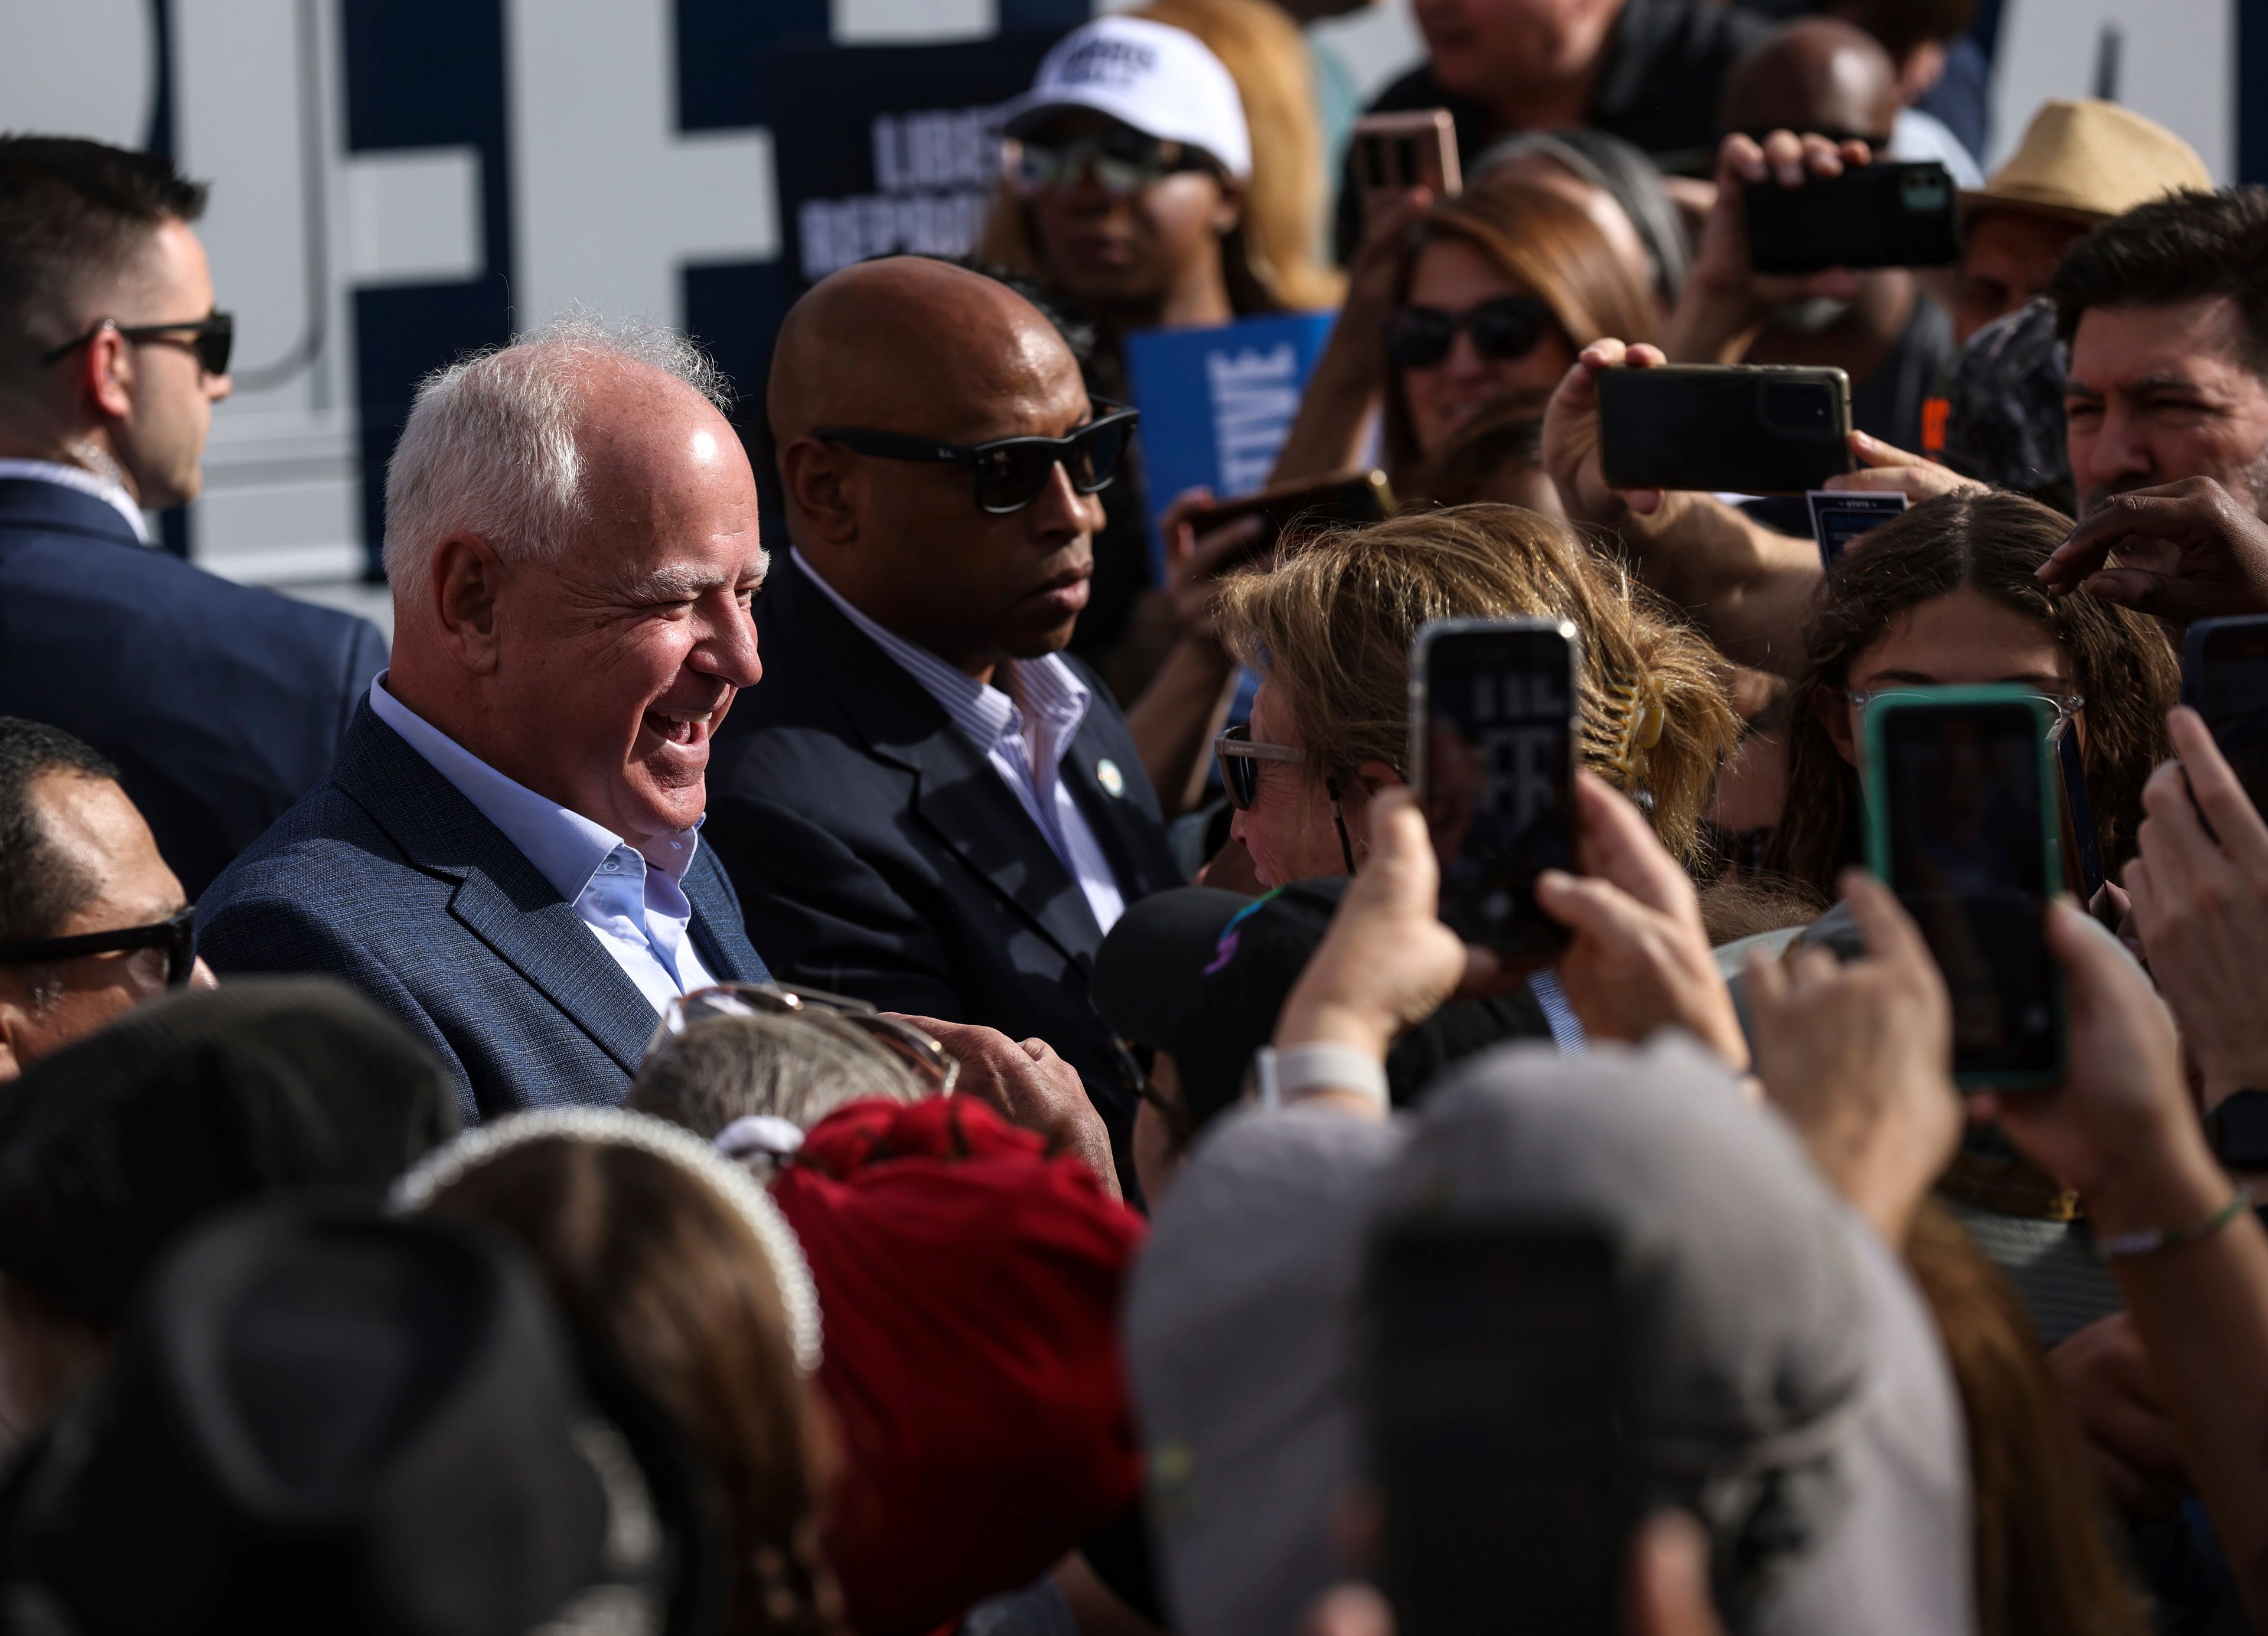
2086 162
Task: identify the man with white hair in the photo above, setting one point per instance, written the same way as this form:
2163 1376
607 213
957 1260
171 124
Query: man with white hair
506 854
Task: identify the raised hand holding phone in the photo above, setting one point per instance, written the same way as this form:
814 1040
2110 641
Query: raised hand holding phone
1963 814
2199 889
1725 298
1493 732
1638 957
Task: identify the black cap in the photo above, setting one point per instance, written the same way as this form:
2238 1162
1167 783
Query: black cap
1202 974
110 1148
322 1421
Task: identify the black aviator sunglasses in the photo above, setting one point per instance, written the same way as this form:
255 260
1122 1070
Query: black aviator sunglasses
211 338
1009 472
177 936
1503 328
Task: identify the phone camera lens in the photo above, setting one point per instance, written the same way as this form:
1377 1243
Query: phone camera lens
1797 406
1923 191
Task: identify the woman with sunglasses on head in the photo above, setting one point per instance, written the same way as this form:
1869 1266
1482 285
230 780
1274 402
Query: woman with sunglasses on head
1454 306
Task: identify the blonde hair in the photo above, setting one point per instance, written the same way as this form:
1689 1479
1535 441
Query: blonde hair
1275 241
1331 627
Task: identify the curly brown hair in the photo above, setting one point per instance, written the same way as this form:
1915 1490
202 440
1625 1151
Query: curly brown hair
1332 625
1993 544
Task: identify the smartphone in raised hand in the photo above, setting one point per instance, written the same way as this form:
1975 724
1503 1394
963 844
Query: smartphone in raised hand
1493 1367
1295 512
1394 152
1893 214
1494 732
2224 679
1724 428
1963 817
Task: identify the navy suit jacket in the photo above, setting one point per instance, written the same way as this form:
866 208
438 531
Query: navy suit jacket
878 854
221 705
384 876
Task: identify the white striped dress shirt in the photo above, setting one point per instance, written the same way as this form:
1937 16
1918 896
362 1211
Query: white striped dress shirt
1024 733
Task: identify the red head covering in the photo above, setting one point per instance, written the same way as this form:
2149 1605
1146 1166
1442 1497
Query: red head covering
968 1288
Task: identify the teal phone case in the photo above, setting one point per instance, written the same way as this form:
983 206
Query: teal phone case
1878 848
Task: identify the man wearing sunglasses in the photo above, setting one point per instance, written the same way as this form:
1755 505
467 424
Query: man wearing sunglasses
92 922
220 703
927 805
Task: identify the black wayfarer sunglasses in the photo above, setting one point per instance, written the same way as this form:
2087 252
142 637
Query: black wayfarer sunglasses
211 339
1503 328
176 936
1010 472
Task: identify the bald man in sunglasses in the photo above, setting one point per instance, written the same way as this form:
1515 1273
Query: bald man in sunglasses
220 703
927 803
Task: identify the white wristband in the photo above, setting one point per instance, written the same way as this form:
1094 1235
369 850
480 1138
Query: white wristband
1287 1075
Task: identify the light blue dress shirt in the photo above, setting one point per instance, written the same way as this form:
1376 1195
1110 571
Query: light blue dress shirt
1025 737
634 903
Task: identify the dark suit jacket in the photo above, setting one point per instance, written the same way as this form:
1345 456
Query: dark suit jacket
384 876
878 854
221 705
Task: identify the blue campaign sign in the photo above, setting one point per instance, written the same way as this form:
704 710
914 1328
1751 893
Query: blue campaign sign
1217 404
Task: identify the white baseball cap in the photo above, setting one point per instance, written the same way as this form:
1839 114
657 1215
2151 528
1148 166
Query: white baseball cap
1162 81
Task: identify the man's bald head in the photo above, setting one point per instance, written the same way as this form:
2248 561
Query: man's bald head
910 344
1815 74
930 351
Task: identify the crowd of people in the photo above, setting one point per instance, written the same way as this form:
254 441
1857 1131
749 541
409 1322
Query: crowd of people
879 1080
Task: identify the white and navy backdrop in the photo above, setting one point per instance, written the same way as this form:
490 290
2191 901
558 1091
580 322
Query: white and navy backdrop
398 180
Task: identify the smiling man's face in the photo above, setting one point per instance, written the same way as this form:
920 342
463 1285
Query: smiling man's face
617 660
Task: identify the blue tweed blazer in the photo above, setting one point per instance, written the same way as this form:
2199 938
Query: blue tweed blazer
384 876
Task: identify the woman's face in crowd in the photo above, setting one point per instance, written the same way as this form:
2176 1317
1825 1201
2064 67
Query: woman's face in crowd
1288 828
1961 639
1113 251
1454 277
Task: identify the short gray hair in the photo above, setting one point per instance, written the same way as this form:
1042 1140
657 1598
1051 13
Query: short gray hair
490 447
799 1068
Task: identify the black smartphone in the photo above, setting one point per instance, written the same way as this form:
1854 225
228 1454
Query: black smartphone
2224 679
1295 510
1894 214
1394 152
1724 428
1962 822
1493 735
1492 1384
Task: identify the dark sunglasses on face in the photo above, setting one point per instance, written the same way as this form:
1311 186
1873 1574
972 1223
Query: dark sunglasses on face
1503 328
211 339
176 936
1010 472
1239 760
1121 162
